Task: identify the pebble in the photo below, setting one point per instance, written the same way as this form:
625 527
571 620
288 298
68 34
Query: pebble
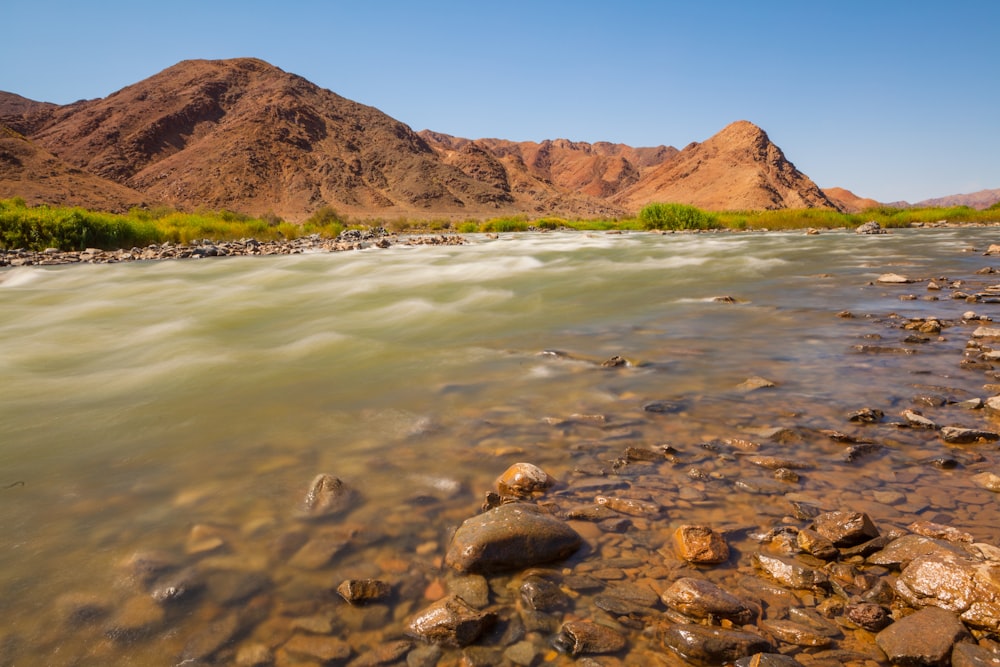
450 622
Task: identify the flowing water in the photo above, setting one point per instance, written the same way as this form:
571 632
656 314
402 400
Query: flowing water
146 406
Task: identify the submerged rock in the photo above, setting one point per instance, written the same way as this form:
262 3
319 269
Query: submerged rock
521 480
963 585
700 544
702 644
581 637
450 622
510 537
701 599
327 496
923 638
845 529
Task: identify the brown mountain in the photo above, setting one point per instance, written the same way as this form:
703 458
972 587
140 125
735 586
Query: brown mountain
244 135
738 168
847 201
37 176
982 199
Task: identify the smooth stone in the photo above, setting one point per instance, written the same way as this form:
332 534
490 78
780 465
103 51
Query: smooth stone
845 529
522 480
796 634
587 637
768 660
388 653
700 544
359 591
987 480
893 279
177 586
790 573
254 655
323 649
704 600
327 496
508 537
317 553
699 643
541 594
450 622
473 588
756 382
922 638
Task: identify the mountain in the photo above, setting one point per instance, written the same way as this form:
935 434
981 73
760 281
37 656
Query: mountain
982 199
37 176
847 201
738 168
244 135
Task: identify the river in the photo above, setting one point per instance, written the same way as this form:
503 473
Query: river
182 408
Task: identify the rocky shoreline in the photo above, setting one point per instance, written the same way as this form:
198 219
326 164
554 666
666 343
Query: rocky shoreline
349 240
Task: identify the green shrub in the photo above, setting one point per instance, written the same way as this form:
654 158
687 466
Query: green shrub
468 227
675 216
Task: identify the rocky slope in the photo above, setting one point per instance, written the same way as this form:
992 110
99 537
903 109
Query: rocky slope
244 135
982 199
847 201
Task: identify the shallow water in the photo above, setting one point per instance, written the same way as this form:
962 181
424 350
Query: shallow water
140 400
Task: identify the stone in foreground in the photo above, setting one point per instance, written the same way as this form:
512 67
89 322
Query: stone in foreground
702 644
510 537
450 622
923 638
700 544
580 637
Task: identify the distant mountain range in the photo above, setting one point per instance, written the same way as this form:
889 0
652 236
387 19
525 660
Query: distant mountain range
246 136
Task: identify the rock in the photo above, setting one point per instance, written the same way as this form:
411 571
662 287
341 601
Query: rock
254 655
893 279
971 655
986 332
768 660
923 638
866 415
813 543
587 637
957 435
359 591
703 600
868 615
139 616
541 594
327 496
702 644
450 622
629 506
387 653
916 420
870 227
230 587
522 480
177 586
963 585
473 588
992 403
790 632
204 539
756 382
845 529
790 573
987 480
939 531
510 537
700 544
78 608
319 551
903 550
208 639
319 648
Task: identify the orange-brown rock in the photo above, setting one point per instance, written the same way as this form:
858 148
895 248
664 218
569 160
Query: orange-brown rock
700 544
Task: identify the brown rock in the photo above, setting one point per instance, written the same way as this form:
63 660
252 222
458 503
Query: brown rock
963 585
587 637
923 638
701 599
845 529
139 616
813 543
904 549
449 622
700 544
327 496
358 591
868 615
522 480
512 536
714 646
322 649
790 573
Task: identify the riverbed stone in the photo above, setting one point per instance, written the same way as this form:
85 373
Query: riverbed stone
893 279
704 600
542 594
319 648
450 622
768 660
813 543
137 617
868 615
794 633
845 529
965 654
327 497
923 638
789 572
903 550
963 585
702 644
957 435
987 480
360 591
587 637
700 544
522 480
509 537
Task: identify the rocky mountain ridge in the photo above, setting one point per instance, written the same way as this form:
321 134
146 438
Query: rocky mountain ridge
246 136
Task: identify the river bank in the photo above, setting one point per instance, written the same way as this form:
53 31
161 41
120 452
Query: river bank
776 443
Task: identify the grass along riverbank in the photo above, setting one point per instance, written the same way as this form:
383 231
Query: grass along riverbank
41 227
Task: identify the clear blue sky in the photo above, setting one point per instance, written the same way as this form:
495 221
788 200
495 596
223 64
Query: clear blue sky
891 99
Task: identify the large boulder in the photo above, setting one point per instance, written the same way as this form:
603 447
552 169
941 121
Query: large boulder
510 537
923 638
966 586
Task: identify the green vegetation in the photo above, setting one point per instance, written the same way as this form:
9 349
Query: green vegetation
675 216
41 227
